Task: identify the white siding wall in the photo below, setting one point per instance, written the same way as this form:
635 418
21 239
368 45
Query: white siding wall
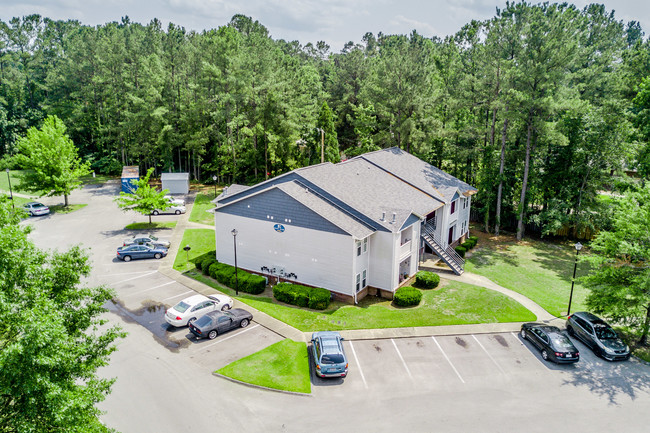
383 269
318 258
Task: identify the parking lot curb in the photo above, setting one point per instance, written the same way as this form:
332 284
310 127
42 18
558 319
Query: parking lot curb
251 385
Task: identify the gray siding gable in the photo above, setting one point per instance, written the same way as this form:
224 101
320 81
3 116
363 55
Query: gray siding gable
283 208
288 177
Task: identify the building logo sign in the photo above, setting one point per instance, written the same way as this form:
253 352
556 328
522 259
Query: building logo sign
278 228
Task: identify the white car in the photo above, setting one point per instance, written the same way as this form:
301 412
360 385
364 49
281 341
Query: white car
175 201
190 309
175 209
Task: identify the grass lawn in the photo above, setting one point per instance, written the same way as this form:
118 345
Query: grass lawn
539 270
283 365
59 208
15 181
200 241
152 226
202 205
454 304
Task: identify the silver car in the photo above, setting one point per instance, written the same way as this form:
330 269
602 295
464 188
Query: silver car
147 239
35 208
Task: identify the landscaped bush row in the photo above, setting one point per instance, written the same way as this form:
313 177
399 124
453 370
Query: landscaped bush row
295 294
407 296
466 246
198 260
427 280
225 274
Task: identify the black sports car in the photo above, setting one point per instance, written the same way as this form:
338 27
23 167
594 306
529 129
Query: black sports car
555 346
218 322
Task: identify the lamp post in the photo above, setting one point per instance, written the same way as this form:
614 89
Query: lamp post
214 178
234 238
11 194
578 247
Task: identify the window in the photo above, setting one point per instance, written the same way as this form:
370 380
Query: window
363 281
453 207
365 245
358 282
358 244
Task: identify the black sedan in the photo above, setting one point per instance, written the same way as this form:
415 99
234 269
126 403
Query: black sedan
218 322
140 252
555 346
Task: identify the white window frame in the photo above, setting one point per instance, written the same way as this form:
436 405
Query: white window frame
357 246
365 245
364 279
358 286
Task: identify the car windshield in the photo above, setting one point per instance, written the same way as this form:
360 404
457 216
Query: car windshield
181 307
332 358
38 205
605 333
203 321
153 238
561 342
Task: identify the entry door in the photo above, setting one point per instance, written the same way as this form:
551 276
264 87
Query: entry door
451 235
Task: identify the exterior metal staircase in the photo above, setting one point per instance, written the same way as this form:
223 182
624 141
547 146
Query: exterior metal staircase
448 255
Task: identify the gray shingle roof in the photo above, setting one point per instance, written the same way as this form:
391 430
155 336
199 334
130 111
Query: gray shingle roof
418 173
371 191
326 209
232 190
174 176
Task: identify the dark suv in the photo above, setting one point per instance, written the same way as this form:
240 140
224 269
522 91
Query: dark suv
598 335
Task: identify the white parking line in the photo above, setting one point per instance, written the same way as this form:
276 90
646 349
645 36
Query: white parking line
135 278
402 359
363 378
517 338
228 338
149 289
124 273
178 296
488 354
448 360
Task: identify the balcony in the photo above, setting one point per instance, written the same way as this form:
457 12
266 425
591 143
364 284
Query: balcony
405 249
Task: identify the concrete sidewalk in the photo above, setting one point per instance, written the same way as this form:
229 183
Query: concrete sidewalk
287 331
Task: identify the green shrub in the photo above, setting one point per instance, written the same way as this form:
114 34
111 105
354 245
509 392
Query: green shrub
461 251
206 263
467 245
407 296
295 294
427 280
255 284
319 299
198 260
474 240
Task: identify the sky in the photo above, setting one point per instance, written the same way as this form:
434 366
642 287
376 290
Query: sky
333 21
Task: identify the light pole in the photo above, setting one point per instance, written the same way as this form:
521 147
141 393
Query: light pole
214 178
11 194
234 238
578 247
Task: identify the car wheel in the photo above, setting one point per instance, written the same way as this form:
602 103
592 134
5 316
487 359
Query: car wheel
570 330
127 258
177 212
523 334
244 323
212 334
157 256
155 212
225 307
189 322
545 355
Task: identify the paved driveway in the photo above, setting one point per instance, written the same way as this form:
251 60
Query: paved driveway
466 383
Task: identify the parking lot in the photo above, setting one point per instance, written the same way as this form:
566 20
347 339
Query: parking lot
482 382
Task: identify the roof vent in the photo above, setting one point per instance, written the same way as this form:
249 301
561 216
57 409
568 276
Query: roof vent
225 191
306 189
394 216
383 216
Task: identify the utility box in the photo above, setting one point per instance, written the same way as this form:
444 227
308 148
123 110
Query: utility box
130 174
176 183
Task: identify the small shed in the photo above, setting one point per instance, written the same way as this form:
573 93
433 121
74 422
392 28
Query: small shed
176 183
130 174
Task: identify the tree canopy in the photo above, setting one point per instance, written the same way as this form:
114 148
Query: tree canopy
536 106
620 276
51 160
52 339
144 198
